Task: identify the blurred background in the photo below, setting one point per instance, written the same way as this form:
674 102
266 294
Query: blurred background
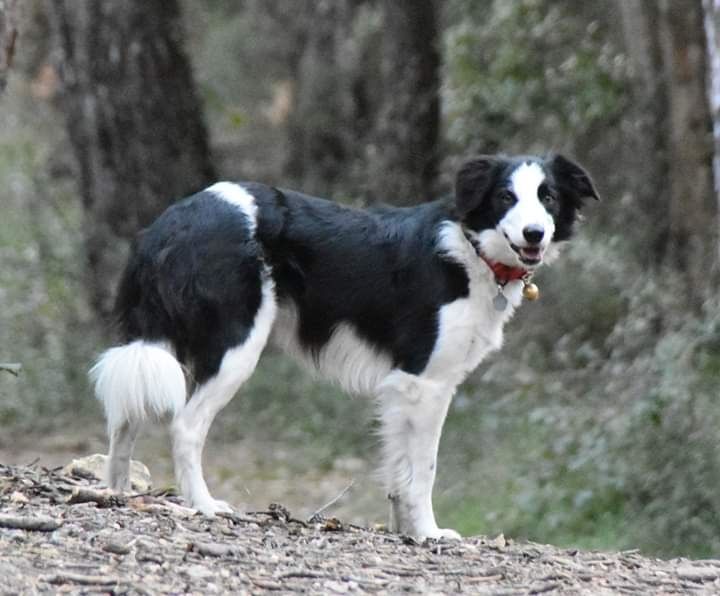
597 423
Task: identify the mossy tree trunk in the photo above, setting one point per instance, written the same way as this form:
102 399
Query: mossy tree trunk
134 121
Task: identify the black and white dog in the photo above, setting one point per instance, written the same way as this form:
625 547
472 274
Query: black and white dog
400 304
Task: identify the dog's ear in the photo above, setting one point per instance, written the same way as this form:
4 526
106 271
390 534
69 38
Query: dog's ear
474 179
572 179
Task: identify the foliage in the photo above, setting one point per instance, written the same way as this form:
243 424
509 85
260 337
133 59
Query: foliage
673 474
44 322
527 70
606 435
610 390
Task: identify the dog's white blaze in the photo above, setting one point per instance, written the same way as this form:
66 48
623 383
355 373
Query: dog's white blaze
238 196
346 358
524 182
191 425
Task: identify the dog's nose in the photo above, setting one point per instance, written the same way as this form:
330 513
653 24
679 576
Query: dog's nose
533 233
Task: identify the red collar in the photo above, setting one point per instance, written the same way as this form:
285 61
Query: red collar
504 273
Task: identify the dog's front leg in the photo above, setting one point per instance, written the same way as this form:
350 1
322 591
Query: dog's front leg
412 411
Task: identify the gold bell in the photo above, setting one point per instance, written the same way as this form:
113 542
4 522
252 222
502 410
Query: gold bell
530 291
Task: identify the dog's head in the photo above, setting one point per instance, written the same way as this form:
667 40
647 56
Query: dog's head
514 208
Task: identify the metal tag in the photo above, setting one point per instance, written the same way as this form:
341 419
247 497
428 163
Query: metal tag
500 301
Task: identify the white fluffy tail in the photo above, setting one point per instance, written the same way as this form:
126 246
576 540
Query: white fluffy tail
138 381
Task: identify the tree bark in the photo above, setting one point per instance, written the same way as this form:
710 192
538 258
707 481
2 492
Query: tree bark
134 121
712 30
672 151
8 35
650 103
319 149
693 212
366 112
406 161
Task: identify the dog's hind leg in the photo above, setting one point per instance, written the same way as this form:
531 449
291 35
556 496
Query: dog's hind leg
190 427
412 411
135 382
122 444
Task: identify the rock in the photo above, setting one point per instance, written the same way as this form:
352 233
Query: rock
117 548
698 574
212 549
18 497
93 467
198 572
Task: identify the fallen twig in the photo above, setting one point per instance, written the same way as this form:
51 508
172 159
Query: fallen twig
279 513
315 517
103 497
245 519
212 549
77 578
154 505
38 524
13 368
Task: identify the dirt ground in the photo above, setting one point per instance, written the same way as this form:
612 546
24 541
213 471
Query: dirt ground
60 532
248 474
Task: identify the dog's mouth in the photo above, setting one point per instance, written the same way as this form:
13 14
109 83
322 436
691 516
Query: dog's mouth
528 255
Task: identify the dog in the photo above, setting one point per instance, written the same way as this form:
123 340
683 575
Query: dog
399 304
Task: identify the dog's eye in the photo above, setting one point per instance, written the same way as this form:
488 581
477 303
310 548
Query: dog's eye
508 198
548 199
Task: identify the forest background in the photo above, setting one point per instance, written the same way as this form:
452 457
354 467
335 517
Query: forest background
597 423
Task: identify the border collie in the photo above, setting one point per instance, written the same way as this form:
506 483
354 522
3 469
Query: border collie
399 304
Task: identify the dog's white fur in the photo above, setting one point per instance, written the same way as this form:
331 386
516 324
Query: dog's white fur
236 195
135 382
346 359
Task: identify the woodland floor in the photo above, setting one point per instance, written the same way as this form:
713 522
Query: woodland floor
59 533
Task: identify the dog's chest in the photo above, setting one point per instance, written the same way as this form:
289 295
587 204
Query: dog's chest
470 328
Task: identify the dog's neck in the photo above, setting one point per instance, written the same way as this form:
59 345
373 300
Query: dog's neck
503 273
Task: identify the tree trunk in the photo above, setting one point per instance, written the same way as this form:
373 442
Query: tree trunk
712 30
134 122
8 35
366 114
672 148
693 212
647 150
406 161
319 149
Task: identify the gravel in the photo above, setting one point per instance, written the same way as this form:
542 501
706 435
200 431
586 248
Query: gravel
63 533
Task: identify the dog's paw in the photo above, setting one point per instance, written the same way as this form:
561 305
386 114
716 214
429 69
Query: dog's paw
213 507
